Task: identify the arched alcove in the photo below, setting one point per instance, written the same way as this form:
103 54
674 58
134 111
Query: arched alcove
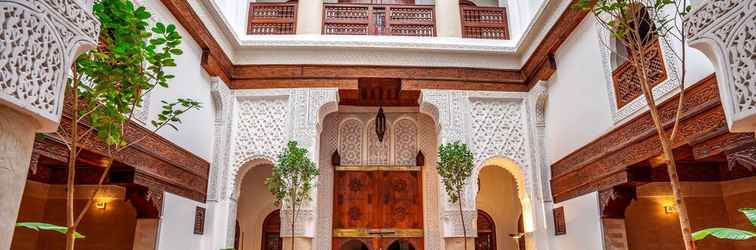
498 194
255 206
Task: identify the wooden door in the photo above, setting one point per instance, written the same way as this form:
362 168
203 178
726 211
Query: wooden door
377 208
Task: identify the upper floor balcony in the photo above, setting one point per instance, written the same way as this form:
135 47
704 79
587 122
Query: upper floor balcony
414 18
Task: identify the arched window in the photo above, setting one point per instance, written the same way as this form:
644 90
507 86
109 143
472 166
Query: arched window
624 75
486 232
271 232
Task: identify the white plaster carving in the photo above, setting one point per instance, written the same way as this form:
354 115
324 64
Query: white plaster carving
494 125
405 142
377 152
725 30
350 142
453 223
261 123
39 41
223 103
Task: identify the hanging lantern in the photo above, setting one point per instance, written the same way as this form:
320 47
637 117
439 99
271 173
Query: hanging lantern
380 124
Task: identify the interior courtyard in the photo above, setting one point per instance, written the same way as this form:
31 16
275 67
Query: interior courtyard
550 104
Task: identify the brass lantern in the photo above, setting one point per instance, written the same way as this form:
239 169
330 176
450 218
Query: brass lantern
380 124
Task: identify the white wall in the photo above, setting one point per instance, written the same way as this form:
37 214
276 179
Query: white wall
196 130
578 107
581 216
177 224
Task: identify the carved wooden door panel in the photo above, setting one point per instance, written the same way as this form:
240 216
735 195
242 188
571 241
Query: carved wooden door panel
377 208
402 201
354 196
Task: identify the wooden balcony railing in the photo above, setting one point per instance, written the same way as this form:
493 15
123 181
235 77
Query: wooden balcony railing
380 20
626 81
484 22
272 18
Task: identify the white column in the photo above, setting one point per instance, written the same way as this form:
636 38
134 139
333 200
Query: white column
38 43
448 21
724 31
16 141
309 17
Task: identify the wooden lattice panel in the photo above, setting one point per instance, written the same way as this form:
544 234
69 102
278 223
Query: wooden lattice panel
272 19
626 81
385 20
484 22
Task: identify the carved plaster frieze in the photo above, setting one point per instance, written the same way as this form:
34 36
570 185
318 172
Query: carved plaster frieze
39 41
725 31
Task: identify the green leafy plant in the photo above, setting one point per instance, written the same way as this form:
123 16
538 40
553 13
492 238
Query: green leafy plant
633 24
730 233
292 180
108 84
47 227
455 166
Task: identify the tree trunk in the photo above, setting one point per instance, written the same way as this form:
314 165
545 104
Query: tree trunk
293 219
666 145
462 217
73 149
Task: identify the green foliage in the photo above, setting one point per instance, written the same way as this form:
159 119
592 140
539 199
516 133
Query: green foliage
730 233
621 17
37 226
455 166
293 176
128 63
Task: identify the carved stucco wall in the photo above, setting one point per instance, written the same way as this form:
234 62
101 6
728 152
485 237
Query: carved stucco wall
495 125
725 30
352 133
38 42
252 127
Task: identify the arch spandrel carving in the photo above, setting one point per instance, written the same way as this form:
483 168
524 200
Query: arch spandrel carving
40 40
725 30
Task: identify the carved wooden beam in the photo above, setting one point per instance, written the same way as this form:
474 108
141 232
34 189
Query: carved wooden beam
603 161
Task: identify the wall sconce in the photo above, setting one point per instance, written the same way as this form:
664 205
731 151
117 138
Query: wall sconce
669 209
101 204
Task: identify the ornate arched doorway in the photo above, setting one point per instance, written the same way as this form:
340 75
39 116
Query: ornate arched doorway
486 232
271 232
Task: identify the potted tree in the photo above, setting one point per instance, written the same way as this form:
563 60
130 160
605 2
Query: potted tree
455 166
292 181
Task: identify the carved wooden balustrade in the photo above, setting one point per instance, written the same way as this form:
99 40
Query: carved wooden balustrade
382 20
626 81
272 18
484 22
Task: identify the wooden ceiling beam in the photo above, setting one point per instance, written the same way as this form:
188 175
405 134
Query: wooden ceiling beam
540 65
